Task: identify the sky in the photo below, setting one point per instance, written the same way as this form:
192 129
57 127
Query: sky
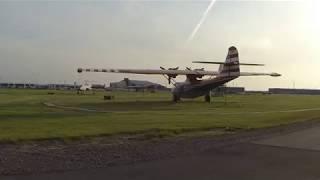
46 41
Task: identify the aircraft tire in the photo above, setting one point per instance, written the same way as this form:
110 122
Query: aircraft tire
175 98
207 98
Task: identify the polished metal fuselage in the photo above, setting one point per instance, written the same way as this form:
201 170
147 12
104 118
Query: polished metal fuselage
199 88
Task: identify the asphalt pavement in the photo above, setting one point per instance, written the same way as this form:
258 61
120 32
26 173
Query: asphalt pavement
289 156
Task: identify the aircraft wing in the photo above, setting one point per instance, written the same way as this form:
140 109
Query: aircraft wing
171 72
152 71
259 74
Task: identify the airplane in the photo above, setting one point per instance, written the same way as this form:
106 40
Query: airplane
195 86
83 88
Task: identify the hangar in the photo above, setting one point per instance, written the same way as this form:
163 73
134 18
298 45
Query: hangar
126 83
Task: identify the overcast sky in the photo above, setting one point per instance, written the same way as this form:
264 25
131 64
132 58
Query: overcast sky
45 42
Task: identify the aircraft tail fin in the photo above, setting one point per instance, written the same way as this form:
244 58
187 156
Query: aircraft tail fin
231 66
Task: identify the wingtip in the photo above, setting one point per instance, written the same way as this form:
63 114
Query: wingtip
275 74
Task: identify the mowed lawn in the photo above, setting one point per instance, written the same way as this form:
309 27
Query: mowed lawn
23 115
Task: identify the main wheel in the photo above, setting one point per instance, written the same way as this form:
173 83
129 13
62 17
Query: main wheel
175 98
207 98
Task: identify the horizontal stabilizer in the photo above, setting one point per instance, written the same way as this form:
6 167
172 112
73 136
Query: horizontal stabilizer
259 74
224 63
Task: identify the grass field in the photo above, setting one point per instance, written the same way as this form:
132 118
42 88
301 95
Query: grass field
23 116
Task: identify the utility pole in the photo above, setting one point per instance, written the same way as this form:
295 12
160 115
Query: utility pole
294 84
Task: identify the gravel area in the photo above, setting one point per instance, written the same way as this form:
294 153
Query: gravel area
56 156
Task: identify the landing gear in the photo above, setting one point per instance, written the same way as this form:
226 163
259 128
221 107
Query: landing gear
207 98
175 98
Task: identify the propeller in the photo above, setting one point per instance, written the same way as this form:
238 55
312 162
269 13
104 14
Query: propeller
170 77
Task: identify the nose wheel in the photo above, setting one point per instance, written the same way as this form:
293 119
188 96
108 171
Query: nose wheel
207 98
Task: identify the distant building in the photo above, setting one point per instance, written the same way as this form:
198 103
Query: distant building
137 85
98 86
227 90
37 86
8 85
294 91
4 85
257 92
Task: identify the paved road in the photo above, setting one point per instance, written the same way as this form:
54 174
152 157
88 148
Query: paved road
291 156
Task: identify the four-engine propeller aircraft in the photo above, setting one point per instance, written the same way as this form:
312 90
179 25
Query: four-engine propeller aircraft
195 86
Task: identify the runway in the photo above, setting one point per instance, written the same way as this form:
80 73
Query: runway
288 156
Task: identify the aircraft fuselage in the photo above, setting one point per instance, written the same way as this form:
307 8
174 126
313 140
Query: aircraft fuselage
199 88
